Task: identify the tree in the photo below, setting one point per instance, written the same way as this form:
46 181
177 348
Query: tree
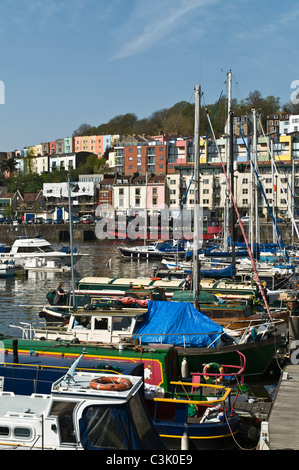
82 130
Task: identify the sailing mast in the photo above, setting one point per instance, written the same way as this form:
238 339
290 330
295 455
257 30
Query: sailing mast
196 267
228 165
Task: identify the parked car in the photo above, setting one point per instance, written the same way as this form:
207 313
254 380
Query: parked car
59 221
39 220
48 221
280 221
85 218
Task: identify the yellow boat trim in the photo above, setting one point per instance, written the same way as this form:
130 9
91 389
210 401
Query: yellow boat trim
199 437
197 402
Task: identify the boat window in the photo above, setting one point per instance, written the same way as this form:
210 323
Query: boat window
121 323
46 249
4 431
141 419
104 427
101 323
24 433
82 321
64 411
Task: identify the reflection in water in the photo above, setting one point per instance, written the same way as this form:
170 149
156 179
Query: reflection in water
22 297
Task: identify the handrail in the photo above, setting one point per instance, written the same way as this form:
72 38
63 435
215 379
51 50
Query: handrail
197 402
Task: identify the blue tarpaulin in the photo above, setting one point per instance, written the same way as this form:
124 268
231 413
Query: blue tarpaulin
178 323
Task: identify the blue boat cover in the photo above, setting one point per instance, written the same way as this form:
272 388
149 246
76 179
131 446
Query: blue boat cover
178 323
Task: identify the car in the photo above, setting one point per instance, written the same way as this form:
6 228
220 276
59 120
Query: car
59 221
245 219
48 221
280 221
39 220
83 218
76 220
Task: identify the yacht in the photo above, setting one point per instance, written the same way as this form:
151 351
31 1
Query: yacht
25 248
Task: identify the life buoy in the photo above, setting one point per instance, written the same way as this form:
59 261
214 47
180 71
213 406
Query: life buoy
111 383
156 278
215 366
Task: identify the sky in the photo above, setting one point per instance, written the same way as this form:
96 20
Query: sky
69 62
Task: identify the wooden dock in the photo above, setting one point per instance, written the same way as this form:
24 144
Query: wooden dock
281 430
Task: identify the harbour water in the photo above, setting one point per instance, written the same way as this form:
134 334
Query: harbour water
23 296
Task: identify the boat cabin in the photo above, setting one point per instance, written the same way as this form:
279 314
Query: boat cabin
111 326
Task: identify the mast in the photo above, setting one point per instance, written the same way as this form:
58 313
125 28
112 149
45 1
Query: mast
232 184
196 267
228 165
256 219
70 185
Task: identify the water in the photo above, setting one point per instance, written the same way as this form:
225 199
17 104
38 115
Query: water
23 296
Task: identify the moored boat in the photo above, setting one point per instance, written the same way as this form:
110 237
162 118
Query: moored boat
147 334
24 248
205 422
75 414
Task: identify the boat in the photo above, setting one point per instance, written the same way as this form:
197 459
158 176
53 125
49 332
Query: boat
125 284
232 312
163 333
200 422
7 268
84 411
24 248
95 299
155 250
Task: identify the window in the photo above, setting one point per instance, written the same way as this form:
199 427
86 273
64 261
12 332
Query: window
245 180
4 431
121 323
24 433
64 411
101 323
245 191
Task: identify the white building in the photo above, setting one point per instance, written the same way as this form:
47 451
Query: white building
292 125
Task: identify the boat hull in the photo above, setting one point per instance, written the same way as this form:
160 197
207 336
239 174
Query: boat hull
201 436
160 363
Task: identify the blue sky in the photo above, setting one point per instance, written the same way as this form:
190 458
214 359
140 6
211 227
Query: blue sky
68 62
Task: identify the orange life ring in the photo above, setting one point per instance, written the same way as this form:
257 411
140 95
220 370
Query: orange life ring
156 278
216 366
111 383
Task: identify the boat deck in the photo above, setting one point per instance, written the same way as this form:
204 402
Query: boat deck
283 423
